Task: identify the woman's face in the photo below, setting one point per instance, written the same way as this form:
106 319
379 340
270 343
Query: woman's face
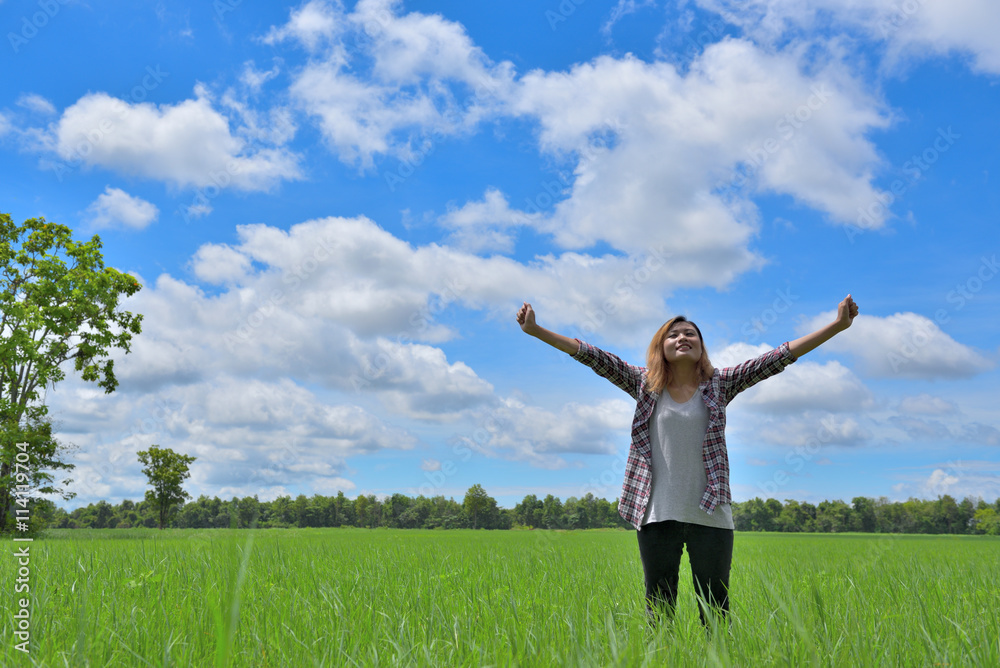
682 343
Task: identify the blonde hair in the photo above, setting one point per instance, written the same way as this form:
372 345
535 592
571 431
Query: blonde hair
658 368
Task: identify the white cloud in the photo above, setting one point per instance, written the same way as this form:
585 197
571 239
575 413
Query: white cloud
115 207
5 125
960 479
516 431
939 482
36 103
921 430
355 273
802 386
621 10
398 86
926 404
812 431
188 144
655 150
484 225
912 29
903 345
219 263
249 436
311 24
254 79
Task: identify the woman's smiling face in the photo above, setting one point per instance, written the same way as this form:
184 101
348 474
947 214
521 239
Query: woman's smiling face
682 343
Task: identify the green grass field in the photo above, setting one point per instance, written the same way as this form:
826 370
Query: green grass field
355 597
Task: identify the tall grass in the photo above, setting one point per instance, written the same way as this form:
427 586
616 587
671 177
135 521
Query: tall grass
354 597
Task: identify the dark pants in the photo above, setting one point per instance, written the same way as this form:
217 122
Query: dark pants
710 551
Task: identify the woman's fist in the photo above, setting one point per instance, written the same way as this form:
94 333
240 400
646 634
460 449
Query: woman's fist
526 318
847 310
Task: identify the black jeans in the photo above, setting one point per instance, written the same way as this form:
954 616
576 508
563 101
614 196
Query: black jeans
710 551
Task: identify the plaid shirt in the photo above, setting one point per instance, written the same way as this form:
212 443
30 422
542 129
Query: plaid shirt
717 392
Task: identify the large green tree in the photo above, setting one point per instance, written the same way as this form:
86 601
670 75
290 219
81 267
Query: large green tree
166 470
58 304
476 503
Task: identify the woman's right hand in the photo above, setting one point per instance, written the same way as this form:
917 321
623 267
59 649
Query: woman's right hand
526 318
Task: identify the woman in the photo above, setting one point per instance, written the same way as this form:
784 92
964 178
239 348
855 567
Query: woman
676 490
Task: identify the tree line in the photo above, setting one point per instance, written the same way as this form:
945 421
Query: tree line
478 510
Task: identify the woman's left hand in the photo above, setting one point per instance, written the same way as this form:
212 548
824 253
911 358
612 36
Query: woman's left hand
846 312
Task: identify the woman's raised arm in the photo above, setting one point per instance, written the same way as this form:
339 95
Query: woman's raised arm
526 319
846 311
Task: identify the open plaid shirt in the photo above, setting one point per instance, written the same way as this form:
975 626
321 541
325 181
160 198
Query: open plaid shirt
717 392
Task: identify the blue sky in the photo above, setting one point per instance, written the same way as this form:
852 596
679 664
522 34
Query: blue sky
335 210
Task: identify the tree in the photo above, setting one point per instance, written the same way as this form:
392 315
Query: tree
58 303
26 467
987 521
552 512
166 471
361 510
864 513
248 511
476 503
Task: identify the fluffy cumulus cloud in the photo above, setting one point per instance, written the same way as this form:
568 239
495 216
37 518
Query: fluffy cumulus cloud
249 436
222 376
669 158
116 208
813 431
902 345
802 386
310 25
356 274
220 263
486 225
334 301
342 306
658 158
188 144
912 28
512 429
386 83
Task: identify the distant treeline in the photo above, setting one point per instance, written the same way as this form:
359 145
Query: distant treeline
479 510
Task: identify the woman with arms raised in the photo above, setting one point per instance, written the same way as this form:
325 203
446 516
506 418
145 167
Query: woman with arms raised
676 491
